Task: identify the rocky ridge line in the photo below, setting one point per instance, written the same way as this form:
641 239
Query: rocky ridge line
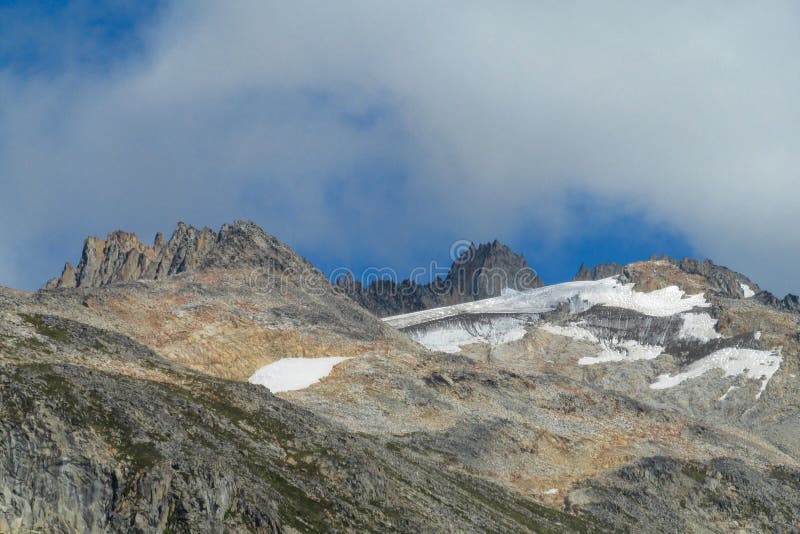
721 280
478 273
598 272
122 257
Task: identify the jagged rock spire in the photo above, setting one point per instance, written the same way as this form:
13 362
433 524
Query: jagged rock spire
121 257
600 271
484 271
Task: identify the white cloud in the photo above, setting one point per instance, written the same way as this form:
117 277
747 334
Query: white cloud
495 112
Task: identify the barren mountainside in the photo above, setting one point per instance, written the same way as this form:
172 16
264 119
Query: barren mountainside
663 397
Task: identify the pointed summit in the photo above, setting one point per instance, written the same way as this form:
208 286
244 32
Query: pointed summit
485 271
477 272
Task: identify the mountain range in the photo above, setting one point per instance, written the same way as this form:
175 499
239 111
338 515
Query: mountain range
219 382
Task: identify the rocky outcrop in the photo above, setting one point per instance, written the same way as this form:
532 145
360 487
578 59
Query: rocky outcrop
479 272
122 258
245 245
68 278
789 303
729 283
183 253
721 279
485 271
387 297
600 271
659 494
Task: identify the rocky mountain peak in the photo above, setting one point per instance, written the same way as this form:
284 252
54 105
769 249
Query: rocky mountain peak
479 271
245 244
117 257
598 272
122 257
721 279
484 271
789 303
716 278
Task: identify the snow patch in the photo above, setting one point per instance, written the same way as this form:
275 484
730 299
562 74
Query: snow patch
628 351
746 290
291 374
698 326
579 296
444 339
572 331
551 491
659 303
610 350
450 338
754 364
757 335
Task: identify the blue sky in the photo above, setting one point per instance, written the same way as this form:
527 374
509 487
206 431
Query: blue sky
368 134
49 37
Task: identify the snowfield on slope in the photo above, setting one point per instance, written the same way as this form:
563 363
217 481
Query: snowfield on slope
450 338
449 328
580 296
292 374
699 327
754 364
612 350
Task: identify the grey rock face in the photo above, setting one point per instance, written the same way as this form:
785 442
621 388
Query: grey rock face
661 494
722 280
386 297
478 273
245 244
789 303
67 278
184 251
484 271
609 323
600 271
121 257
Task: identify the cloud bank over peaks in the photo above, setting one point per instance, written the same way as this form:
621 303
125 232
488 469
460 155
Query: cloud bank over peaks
327 121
